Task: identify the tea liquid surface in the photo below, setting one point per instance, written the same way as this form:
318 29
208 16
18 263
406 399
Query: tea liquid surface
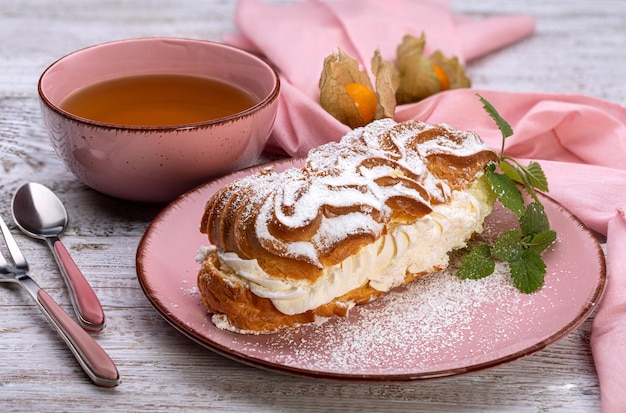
158 100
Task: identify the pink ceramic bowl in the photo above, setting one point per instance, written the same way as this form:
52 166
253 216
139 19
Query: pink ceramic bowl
157 163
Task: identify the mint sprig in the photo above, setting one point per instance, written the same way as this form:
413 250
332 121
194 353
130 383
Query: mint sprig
520 248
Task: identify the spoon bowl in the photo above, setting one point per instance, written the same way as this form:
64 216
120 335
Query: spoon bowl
39 213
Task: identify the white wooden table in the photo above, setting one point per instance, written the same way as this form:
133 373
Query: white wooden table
579 47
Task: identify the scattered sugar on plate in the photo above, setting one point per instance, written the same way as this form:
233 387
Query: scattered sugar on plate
438 319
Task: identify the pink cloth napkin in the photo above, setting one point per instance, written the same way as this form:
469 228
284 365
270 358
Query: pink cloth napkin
580 141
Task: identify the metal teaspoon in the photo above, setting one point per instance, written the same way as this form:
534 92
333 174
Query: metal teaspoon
39 213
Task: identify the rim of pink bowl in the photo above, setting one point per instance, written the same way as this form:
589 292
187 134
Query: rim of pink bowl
264 102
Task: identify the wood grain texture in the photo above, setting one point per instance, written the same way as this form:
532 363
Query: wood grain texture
578 48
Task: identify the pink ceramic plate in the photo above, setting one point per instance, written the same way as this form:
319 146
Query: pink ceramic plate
438 326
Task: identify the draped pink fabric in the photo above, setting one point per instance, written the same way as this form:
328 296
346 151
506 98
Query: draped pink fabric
580 141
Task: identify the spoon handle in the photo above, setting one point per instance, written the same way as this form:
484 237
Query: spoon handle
84 300
92 358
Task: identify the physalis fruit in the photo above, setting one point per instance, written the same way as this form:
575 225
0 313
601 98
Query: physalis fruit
346 91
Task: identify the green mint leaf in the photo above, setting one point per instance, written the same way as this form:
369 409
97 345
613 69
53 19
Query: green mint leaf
536 177
503 125
522 248
541 241
528 273
507 192
511 171
530 177
508 246
534 219
477 263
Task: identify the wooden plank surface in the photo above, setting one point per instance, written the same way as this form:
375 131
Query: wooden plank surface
578 48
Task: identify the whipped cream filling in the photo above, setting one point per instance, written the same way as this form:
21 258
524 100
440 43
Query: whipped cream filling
419 247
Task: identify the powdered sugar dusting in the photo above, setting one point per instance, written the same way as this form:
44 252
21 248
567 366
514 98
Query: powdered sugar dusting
439 319
361 178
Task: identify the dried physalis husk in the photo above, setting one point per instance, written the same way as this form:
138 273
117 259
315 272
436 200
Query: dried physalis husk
422 76
346 92
387 81
453 72
417 77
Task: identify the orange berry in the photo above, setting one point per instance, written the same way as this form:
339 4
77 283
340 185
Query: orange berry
442 77
364 99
